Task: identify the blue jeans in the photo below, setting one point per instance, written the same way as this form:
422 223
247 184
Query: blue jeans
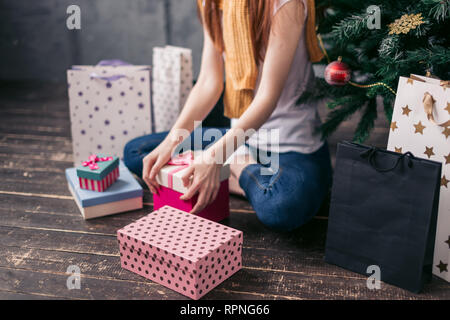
283 201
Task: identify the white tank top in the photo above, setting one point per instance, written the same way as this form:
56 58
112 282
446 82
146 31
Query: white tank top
297 124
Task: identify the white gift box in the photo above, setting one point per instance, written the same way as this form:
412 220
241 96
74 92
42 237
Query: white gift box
109 106
171 84
427 137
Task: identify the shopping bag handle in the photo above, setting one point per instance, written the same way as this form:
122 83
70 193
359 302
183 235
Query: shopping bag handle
370 154
115 77
113 63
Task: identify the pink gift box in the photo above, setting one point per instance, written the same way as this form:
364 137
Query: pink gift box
181 251
172 188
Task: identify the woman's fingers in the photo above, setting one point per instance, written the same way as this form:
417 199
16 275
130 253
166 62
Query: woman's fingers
214 193
202 201
186 178
154 171
191 191
147 166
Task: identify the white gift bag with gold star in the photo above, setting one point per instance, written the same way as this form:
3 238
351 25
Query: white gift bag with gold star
421 124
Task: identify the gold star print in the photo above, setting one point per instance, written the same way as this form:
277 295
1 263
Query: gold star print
399 150
394 125
419 127
444 182
411 81
406 111
442 266
447 159
446 132
429 152
448 107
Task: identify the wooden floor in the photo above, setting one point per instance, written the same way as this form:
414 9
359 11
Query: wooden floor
42 232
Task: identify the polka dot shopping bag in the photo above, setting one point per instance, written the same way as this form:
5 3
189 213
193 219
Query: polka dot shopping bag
110 104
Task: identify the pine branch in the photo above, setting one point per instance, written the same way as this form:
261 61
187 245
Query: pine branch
440 10
338 115
388 104
375 56
367 122
350 28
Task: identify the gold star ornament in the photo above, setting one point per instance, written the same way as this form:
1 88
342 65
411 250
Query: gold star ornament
406 23
398 150
429 152
419 127
406 111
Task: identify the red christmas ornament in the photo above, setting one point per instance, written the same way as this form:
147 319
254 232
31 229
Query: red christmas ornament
337 73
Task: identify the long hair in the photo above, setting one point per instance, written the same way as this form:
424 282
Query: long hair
261 15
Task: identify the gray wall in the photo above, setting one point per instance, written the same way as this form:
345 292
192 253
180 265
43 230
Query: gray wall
36 44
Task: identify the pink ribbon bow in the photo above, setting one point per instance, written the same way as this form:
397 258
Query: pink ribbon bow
93 159
182 161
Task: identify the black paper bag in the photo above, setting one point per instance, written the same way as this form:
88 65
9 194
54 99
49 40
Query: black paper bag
383 212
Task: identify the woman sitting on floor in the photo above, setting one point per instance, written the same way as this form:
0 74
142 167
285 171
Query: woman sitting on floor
264 49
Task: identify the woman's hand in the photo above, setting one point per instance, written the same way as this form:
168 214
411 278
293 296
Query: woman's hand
154 161
203 176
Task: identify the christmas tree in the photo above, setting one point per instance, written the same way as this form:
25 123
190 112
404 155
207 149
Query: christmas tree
379 41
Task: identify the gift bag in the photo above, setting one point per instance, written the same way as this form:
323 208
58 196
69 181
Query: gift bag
383 212
421 124
110 104
172 82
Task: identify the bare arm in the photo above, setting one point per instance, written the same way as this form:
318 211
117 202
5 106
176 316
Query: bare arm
202 98
206 92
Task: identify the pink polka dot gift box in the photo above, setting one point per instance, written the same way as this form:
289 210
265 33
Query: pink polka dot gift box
172 188
181 251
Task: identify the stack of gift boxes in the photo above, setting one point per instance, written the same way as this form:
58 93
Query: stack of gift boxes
110 104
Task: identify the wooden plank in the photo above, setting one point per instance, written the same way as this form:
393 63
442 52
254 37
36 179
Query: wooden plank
37 159
30 110
35 130
41 212
54 284
23 152
12 295
67 230
300 263
237 204
303 260
51 266
34 147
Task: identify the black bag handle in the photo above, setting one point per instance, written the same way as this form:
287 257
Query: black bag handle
370 154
